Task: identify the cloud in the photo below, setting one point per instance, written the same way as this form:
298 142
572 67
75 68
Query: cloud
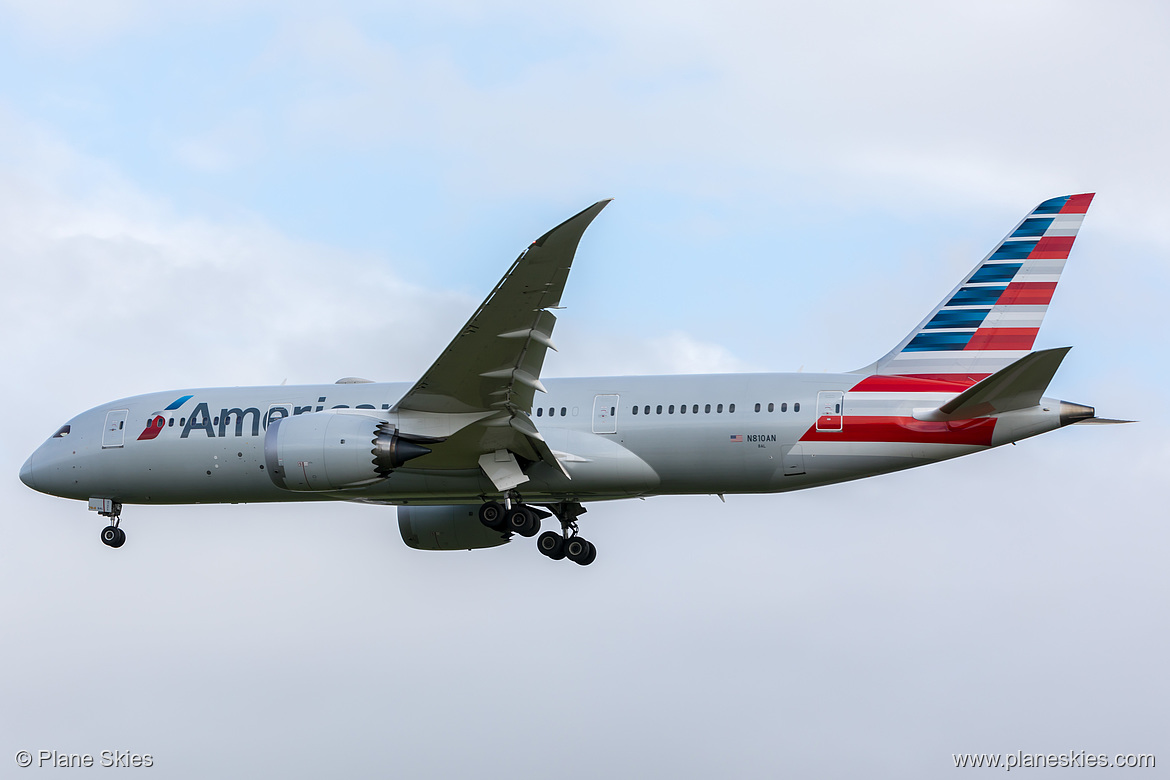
70 23
108 277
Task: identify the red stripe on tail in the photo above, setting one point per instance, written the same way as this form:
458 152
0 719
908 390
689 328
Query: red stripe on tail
1052 248
1003 338
1027 294
1078 204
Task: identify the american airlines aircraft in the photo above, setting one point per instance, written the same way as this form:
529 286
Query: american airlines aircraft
482 447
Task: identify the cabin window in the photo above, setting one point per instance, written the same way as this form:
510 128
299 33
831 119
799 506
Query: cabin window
539 411
658 409
182 421
635 410
771 407
564 411
171 423
61 433
796 406
216 421
731 408
757 407
670 409
159 422
646 410
707 409
682 409
719 409
695 409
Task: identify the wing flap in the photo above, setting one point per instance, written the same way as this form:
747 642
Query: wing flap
502 469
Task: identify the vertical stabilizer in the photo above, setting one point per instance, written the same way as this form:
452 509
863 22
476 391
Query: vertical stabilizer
991 318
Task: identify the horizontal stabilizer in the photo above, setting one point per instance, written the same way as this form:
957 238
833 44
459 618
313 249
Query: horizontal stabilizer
1103 421
1019 386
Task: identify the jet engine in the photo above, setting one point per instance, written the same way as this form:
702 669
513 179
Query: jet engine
446 528
334 451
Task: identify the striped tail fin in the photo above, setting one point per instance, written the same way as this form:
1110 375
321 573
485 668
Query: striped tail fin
991 319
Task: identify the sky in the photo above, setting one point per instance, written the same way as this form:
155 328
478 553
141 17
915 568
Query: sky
211 194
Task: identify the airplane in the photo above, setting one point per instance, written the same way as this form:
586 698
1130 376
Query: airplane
482 448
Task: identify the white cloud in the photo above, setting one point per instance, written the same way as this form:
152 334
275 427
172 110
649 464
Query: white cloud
107 280
70 23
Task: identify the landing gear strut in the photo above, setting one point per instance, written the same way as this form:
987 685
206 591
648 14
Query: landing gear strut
112 535
517 517
576 548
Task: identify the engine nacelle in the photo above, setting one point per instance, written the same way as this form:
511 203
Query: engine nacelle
446 528
334 451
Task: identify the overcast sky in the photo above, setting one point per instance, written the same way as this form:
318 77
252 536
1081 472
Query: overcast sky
235 193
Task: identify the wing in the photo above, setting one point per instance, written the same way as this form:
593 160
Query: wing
489 374
495 361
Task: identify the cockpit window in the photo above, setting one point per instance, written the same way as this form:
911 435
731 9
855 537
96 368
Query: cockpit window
62 432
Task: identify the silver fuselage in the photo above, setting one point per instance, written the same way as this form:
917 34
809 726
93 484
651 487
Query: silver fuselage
211 448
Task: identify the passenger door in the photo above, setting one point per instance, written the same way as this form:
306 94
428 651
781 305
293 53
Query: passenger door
830 410
605 413
114 434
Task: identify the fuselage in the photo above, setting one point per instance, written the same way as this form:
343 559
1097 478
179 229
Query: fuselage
616 437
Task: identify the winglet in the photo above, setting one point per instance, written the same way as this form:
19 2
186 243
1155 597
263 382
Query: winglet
589 214
1019 386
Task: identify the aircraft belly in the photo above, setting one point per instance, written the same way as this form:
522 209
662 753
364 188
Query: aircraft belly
830 462
704 462
212 471
596 463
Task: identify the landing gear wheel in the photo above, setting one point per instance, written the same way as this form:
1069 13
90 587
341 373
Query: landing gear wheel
522 520
492 515
552 545
113 536
580 551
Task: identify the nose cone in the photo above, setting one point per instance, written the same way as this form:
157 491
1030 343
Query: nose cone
28 470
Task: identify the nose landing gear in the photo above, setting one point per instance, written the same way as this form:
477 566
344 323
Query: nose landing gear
112 535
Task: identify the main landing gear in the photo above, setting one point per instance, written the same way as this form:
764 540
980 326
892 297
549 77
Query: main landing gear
523 519
112 535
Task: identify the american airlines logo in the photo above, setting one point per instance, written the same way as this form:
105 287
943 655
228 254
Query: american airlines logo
231 420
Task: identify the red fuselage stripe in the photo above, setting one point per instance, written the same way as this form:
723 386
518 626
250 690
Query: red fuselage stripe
916 383
907 429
